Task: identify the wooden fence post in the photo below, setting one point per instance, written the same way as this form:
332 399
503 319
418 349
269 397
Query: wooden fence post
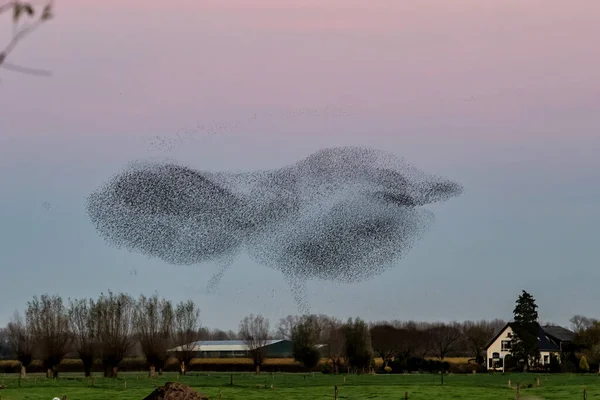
405 395
220 394
518 391
585 393
537 382
335 393
509 384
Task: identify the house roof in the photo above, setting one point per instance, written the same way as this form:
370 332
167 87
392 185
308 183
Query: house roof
222 345
544 341
559 333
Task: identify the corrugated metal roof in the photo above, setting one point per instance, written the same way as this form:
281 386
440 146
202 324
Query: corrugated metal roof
222 345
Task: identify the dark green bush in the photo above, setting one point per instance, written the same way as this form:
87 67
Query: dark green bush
325 368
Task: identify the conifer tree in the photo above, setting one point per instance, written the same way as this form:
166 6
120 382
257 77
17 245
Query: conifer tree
525 346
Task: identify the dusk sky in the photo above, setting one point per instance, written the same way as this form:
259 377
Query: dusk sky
502 96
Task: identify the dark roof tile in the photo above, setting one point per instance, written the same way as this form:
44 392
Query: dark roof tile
559 333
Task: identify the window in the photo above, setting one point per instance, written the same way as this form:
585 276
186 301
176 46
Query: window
506 345
546 359
496 356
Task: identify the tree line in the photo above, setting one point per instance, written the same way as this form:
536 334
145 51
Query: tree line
401 344
104 329
113 326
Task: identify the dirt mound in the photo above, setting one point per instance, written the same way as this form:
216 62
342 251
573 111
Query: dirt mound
175 391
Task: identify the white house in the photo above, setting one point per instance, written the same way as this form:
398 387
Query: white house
551 341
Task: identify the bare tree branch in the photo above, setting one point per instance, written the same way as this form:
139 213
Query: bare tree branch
19 33
20 341
26 70
186 332
333 337
85 331
114 316
48 320
444 338
254 331
153 321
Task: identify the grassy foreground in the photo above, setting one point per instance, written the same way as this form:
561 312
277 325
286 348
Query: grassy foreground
132 386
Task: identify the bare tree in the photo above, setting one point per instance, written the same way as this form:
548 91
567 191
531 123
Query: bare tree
333 337
218 334
444 337
114 318
418 339
479 334
186 332
321 322
413 341
587 338
20 341
386 341
286 325
233 335
48 320
153 321
580 323
5 348
254 331
20 9
85 331
204 333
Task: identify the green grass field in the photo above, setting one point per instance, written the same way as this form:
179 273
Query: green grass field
132 386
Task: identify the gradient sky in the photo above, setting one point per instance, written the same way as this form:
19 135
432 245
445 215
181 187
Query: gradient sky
501 96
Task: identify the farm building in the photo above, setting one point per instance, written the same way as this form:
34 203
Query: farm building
236 348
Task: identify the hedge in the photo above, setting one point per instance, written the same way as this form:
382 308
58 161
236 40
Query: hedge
140 364
136 364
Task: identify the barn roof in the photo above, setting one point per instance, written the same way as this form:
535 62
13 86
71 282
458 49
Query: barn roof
222 345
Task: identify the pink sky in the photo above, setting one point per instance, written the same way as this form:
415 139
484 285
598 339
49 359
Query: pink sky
118 64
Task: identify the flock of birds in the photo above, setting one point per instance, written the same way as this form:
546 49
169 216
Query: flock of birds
187 136
341 214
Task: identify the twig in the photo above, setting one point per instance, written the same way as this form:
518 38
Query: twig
21 33
26 70
10 4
